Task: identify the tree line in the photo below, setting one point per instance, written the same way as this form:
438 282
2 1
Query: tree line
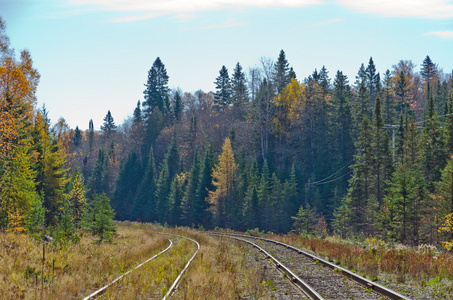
271 151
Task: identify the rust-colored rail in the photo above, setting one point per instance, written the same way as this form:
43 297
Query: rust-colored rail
380 289
296 280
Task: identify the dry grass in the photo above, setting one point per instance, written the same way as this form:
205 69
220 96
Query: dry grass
70 271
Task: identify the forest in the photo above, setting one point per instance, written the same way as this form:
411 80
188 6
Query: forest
269 149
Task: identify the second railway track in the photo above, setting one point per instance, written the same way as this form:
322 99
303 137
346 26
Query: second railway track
328 280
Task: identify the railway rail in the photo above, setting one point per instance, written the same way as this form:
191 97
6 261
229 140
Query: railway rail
314 280
175 284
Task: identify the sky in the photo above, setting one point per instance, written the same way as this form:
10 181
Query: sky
94 55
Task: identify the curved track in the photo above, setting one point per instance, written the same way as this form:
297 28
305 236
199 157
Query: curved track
175 284
329 283
104 288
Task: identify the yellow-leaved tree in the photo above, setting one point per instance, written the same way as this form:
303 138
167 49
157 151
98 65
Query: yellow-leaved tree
18 83
224 177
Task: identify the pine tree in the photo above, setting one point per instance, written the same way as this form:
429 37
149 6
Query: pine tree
128 180
389 111
304 221
372 81
190 193
144 208
264 191
281 72
137 116
162 191
434 154
402 90
101 218
175 199
201 214
239 91
77 139
108 127
222 96
357 208
428 73
157 91
178 107
91 135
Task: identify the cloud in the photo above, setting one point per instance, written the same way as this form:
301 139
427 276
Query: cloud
152 8
328 22
433 9
445 35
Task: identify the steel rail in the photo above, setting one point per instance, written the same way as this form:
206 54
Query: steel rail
380 289
102 290
296 280
177 281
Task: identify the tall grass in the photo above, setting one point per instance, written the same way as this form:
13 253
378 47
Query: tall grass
71 270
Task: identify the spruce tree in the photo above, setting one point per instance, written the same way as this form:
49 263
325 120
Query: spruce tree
201 214
175 199
162 191
239 91
434 155
190 193
108 127
77 139
428 73
371 80
281 72
222 96
129 177
157 92
144 203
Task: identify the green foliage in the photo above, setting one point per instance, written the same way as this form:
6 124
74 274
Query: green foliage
99 218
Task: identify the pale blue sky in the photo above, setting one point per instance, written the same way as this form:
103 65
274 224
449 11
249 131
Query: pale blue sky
94 55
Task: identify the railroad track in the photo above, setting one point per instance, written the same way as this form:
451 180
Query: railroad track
175 284
328 280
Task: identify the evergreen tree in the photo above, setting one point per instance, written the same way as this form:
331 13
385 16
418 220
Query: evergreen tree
264 191
77 139
222 96
281 72
428 73
371 80
157 92
239 91
129 177
357 208
449 122
91 135
178 106
162 191
389 111
434 154
137 116
201 214
190 193
97 179
144 202
100 216
401 90
175 199
305 220
108 127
